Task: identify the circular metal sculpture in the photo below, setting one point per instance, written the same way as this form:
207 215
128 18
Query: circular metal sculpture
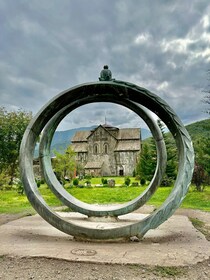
93 210
132 97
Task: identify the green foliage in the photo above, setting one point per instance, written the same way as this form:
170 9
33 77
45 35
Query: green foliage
172 160
199 177
4 180
167 181
18 185
134 184
165 272
202 153
104 181
147 161
137 177
88 183
201 226
142 181
12 127
65 164
75 182
127 181
88 177
199 129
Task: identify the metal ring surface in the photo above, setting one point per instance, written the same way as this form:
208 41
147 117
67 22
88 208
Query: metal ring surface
93 210
118 92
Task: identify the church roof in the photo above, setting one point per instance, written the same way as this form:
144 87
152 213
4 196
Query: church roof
109 127
79 147
122 134
128 133
128 145
81 136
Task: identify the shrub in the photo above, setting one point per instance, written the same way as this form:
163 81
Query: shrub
88 177
134 184
142 181
4 181
88 183
19 186
76 182
137 178
167 182
127 181
39 182
104 181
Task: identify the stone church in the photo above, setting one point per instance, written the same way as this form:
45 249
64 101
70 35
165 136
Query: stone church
107 150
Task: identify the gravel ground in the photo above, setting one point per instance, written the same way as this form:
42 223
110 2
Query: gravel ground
42 268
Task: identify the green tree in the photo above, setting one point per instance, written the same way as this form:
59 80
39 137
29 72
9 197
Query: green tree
65 164
12 128
147 160
202 155
199 177
172 160
202 146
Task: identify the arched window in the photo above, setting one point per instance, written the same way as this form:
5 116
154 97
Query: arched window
95 149
105 148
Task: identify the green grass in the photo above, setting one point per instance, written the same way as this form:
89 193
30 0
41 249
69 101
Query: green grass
201 226
197 200
166 272
12 202
100 195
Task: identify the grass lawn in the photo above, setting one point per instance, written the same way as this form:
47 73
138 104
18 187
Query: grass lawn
12 202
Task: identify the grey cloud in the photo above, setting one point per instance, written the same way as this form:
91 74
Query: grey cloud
49 46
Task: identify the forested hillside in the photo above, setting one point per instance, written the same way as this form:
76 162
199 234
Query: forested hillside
199 129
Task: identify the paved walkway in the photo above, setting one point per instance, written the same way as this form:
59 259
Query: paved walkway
175 243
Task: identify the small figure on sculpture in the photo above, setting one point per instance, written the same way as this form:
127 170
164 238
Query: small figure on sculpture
106 74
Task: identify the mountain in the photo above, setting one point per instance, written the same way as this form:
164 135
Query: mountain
145 133
62 139
199 129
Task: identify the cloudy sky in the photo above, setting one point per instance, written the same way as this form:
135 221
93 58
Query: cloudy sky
47 46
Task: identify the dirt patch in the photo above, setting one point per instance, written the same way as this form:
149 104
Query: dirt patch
43 268
6 218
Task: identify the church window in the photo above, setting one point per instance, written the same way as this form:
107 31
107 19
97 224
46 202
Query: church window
105 148
95 149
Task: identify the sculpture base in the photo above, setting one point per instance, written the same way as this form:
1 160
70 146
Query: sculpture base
103 223
174 243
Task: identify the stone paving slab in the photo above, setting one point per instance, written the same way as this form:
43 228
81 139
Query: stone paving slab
174 243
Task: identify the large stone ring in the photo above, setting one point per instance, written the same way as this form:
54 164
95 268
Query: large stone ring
130 96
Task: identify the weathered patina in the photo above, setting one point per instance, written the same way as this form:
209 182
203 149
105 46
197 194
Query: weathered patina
132 97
